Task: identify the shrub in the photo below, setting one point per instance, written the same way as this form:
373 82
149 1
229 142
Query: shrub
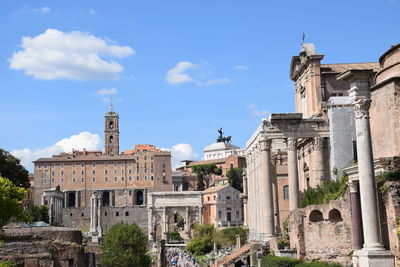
227 236
325 193
274 261
174 235
7 264
318 264
202 242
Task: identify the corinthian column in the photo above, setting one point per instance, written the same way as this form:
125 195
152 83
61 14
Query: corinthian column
319 166
265 184
294 202
245 195
373 253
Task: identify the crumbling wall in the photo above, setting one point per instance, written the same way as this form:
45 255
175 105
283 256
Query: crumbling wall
43 246
322 232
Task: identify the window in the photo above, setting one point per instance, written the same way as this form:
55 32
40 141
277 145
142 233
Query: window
82 180
45 181
219 197
123 179
163 165
94 179
62 180
145 178
152 165
52 165
73 172
122 171
126 213
105 179
129 171
94 172
40 165
52 173
228 197
62 173
73 180
220 215
105 171
137 169
145 170
152 158
93 164
286 192
52 180
130 192
105 163
45 165
82 165
45 173
115 164
115 171
82 172
145 158
215 197
130 178
137 178
208 198
73 165
152 178
117 214
115 178
130 163
123 164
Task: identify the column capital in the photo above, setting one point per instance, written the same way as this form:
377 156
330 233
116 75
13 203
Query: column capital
353 186
291 143
317 143
361 107
265 144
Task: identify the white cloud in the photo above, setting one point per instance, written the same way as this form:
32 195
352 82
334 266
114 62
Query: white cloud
80 141
256 112
107 91
92 11
41 10
176 75
216 81
68 55
241 67
181 152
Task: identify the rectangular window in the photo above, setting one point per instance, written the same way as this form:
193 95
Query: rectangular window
94 179
105 172
73 180
45 181
228 197
137 178
52 173
82 172
145 178
117 214
286 192
145 158
126 213
129 171
152 178
52 180
115 171
122 164
115 178
62 180
145 170
45 173
94 171
40 166
82 180
137 170
105 179
62 173
73 172
130 178
123 179
93 164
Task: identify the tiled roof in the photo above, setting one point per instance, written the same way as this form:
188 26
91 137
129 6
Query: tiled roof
214 189
342 67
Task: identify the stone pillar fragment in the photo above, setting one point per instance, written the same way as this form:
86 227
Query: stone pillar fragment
294 201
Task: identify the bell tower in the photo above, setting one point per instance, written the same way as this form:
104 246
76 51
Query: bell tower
111 132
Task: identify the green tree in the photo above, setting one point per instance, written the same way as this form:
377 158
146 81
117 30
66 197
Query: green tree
10 200
202 241
124 246
227 236
235 178
35 214
203 174
11 168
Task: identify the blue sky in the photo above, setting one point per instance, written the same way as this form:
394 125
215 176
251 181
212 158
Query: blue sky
176 70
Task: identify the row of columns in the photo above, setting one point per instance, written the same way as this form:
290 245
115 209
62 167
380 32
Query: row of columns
261 207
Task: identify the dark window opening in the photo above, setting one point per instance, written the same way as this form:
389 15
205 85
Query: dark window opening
111 124
126 213
117 214
139 198
111 139
106 199
316 216
71 200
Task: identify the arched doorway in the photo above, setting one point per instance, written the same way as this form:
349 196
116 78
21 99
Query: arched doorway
176 229
71 200
106 199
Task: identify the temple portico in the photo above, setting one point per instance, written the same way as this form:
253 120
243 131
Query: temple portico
270 137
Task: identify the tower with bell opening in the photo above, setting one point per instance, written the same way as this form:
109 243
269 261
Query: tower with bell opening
111 132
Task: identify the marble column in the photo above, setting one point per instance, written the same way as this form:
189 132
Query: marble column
99 217
373 252
245 196
319 165
93 214
294 201
265 184
164 223
150 224
356 220
200 214
249 180
187 224
258 215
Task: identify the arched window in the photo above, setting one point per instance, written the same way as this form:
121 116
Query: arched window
111 139
316 216
335 216
111 125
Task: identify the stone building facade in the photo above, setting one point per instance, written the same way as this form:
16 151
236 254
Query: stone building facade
121 180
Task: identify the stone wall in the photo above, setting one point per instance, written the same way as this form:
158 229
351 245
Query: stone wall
43 246
80 217
319 233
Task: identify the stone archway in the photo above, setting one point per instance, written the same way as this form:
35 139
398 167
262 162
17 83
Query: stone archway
169 209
